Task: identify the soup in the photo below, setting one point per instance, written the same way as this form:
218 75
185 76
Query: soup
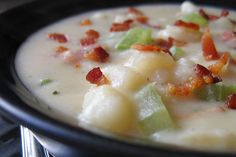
162 72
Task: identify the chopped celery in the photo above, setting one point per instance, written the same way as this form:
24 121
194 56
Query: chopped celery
195 18
133 36
177 52
45 81
217 92
153 115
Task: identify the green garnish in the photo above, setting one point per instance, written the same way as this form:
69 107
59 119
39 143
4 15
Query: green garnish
45 81
177 52
135 36
195 18
153 115
217 92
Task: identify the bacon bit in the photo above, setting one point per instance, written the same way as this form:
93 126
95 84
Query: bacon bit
177 42
118 27
210 17
142 19
61 49
188 25
98 54
61 38
86 22
231 102
217 67
224 13
164 44
178 90
95 76
135 11
92 34
208 46
201 70
146 48
87 41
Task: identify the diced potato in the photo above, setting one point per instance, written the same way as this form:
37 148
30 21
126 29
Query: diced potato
124 78
180 33
188 7
106 108
147 63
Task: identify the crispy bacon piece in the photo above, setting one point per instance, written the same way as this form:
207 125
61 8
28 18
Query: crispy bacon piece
201 70
90 38
61 38
92 34
203 77
208 46
95 76
188 25
98 54
118 27
142 19
61 49
231 102
221 62
146 48
86 41
224 13
164 44
210 17
135 11
86 22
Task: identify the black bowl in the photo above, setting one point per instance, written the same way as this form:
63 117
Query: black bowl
60 138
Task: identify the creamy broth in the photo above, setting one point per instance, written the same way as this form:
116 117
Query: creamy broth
59 78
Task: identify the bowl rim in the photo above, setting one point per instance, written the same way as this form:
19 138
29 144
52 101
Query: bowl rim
14 108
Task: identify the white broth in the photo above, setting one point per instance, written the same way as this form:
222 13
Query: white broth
165 72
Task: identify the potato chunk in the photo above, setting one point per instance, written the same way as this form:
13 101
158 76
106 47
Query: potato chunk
148 63
106 108
179 33
124 78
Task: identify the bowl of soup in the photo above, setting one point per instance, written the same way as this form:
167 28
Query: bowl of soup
131 79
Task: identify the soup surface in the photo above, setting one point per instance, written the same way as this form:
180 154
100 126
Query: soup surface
164 72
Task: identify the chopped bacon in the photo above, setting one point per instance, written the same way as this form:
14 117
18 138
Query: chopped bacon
224 13
188 25
90 38
142 19
61 38
95 76
98 54
92 33
146 48
201 70
208 46
135 11
86 41
203 77
231 102
86 22
118 27
164 44
61 49
210 17
221 62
